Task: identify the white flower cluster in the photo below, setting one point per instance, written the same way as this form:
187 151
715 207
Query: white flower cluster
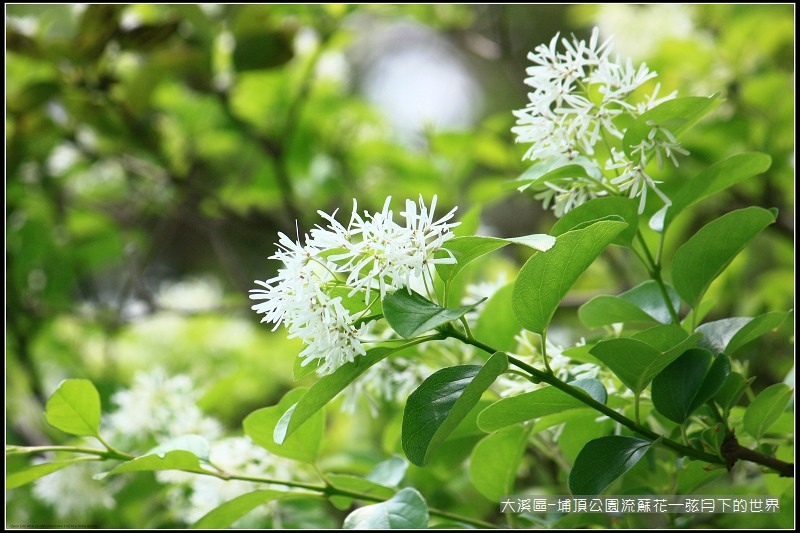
327 284
578 95
158 407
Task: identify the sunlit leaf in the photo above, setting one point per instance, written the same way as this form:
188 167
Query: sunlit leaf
75 408
405 510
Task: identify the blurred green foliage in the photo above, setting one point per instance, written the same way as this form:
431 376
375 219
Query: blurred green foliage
154 151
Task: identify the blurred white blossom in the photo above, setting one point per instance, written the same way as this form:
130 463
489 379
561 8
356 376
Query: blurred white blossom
73 493
158 407
327 284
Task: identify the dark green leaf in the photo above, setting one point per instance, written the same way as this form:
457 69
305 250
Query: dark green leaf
326 389
635 362
730 334
709 251
602 461
263 50
732 390
494 462
687 383
546 277
766 408
599 208
434 410
148 36
406 510
264 425
75 408
535 404
715 178
410 313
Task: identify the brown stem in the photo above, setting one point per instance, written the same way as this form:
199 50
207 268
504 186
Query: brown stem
732 451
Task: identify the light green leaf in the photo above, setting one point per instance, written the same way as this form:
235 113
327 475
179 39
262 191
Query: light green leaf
232 510
326 389
494 462
709 251
599 208
716 178
434 410
405 510
303 444
469 248
643 303
602 461
676 115
730 334
390 472
497 326
410 313
635 362
551 169
546 277
193 444
536 404
32 473
687 383
356 484
174 460
75 408
766 408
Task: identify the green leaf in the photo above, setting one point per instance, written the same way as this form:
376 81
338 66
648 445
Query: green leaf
730 392
390 472
602 461
643 303
709 251
405 510
497 326
635 362
535 404
687 383
75 408
599 208
32 473
326 389
494 462
546 277
173 460
467 249
730 334
548 170
303 444
410 313
766 408
676 115
356 484
714 179
434 410
232 510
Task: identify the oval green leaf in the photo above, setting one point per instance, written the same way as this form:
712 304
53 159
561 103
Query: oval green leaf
546 277
302 445
598 208
434 410
766 408
410 313
730 334
32 473
326 389
497 326
643 303
390 472
536 404
232 510
494 462
687 383
716 178
709 251
405 510
75 408
602 461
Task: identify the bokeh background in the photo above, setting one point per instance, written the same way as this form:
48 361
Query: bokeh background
153 152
